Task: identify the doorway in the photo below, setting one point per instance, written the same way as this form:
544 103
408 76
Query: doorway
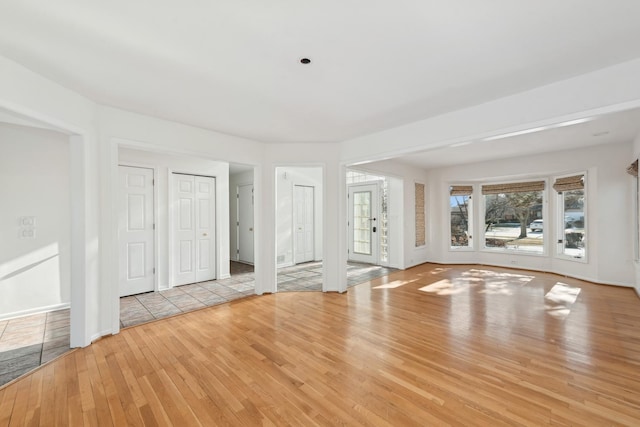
303 223
136 230
194 238
299 225
245 223
363 228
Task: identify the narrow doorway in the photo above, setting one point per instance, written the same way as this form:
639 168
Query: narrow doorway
245 223
303 226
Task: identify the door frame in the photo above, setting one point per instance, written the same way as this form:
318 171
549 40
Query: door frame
378 205
293 222
155 219
253 202
83 173
170 221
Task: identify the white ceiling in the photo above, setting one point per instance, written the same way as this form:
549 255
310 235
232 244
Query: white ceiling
233 66
607 129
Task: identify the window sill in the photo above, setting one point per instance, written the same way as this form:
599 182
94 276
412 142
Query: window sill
582 260
513 252
461 249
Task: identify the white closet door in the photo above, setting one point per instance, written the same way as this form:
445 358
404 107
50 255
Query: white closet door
303 223
205 228
135 231
194 229
245 223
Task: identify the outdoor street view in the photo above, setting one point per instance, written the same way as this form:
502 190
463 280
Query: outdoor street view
514 221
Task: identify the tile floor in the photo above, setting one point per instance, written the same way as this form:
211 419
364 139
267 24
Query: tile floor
143 308
308 276
27 342
136 309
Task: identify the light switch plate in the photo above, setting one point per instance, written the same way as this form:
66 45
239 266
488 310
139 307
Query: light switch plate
27 233
27 221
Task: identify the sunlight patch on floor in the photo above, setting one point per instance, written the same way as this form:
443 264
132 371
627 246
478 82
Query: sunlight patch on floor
559 299
394 284
488 274
446 287
500 288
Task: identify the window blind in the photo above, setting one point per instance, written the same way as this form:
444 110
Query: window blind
633 169
569 183
420 217
516 187
461 190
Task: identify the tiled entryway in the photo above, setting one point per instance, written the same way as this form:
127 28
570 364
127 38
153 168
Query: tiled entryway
308 276
142 308
29 341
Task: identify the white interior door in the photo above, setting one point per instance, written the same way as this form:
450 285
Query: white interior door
363 218
194 229
245 223
136 231
205 228
303 223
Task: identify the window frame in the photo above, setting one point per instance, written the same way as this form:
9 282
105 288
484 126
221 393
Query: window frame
560 214
545 214
471 247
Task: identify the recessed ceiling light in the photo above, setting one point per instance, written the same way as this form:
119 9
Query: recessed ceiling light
305 61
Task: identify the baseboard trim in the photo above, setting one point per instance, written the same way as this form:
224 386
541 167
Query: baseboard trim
38 310
224 276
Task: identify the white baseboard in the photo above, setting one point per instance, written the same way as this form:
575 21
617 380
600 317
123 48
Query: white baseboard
285 264
36 310
224 276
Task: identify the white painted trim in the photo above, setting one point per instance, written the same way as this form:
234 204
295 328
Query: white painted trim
223 276
31 311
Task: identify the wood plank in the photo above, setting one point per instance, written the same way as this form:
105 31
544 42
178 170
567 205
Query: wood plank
449 345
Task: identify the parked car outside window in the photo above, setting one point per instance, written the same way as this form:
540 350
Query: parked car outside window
536 225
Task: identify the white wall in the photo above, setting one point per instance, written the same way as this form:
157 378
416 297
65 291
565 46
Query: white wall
236 180
165 166
34 181
309 176
609 242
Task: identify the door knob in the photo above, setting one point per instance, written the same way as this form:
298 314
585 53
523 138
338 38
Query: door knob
250 228
204 234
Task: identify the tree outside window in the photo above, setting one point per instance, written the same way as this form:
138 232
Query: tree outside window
514 220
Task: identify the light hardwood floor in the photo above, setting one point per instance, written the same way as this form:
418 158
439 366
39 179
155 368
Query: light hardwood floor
433 345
